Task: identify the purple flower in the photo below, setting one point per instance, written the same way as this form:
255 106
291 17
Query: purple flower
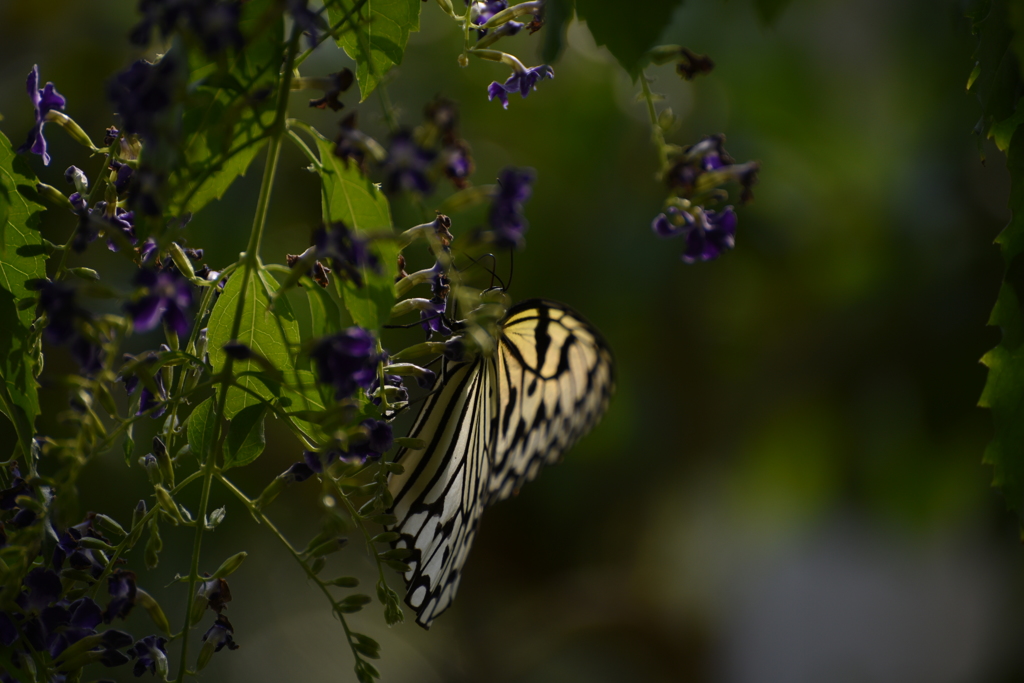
379 440
122 587
43 588
394 381
346 360
458 163
149 654
348 252
507 221
407 165
300 471
144 92
483 10
433 320
350 143
707 234
167 297
520 81
306 19
44 100
219 636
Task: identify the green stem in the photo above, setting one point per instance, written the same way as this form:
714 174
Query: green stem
251 263
387 108
123 545
657 135
265 521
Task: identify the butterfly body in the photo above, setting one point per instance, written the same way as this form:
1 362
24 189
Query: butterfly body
489 425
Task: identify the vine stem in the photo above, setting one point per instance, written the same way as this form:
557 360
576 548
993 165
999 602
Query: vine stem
265 521
657 135
250 264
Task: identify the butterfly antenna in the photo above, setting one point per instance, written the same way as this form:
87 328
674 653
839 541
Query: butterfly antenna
511 267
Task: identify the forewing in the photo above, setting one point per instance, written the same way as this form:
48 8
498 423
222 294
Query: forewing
555 379
443 490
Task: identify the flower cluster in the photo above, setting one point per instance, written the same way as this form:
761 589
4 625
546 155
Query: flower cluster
347 360
522 81
68 323
417 158
348 253
695 176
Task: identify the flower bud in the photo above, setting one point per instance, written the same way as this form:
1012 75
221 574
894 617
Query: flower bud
167 503
344 582
230 565
154 545
152 607
331 546
76 177
149 461
72 128
53 196
182 261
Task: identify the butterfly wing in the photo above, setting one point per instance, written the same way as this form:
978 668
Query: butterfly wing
489 426
442 491
555 379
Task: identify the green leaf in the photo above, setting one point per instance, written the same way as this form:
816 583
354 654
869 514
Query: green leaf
230 108
202 425
5 211
557 15
1004 388
351 198
323 311
628 33
769 11
245 440
22 260
271 332
996 74
303 393
378 40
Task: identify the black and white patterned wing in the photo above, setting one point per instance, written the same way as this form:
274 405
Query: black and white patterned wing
443 490
555 379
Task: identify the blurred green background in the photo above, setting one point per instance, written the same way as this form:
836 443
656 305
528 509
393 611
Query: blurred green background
788 485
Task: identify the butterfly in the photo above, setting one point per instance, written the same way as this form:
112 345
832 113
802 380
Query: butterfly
489 424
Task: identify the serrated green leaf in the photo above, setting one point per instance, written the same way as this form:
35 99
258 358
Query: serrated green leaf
202 427
377 41
997 72
271 332
245 440
351 198
1004 388
21 261
231 106
627 34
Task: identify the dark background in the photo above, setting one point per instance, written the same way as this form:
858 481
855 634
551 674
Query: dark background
788 485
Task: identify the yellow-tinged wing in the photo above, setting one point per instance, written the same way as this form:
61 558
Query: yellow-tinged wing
489 425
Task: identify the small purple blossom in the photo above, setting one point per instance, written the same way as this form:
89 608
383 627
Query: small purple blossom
300 471
707 234
433 320
44 100
379 440
483 10
458 163
347 360
394 381
144 92
147 399
150 654
348 252
407 165
167 297
122 587
520 81
508 224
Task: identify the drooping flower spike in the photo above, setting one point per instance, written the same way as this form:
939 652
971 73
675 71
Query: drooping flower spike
44 100
522 80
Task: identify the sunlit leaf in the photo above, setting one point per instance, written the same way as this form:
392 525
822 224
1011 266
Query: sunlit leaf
231 107
245 440
22 260
351 198
628 34
271 332
202 427
378 35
